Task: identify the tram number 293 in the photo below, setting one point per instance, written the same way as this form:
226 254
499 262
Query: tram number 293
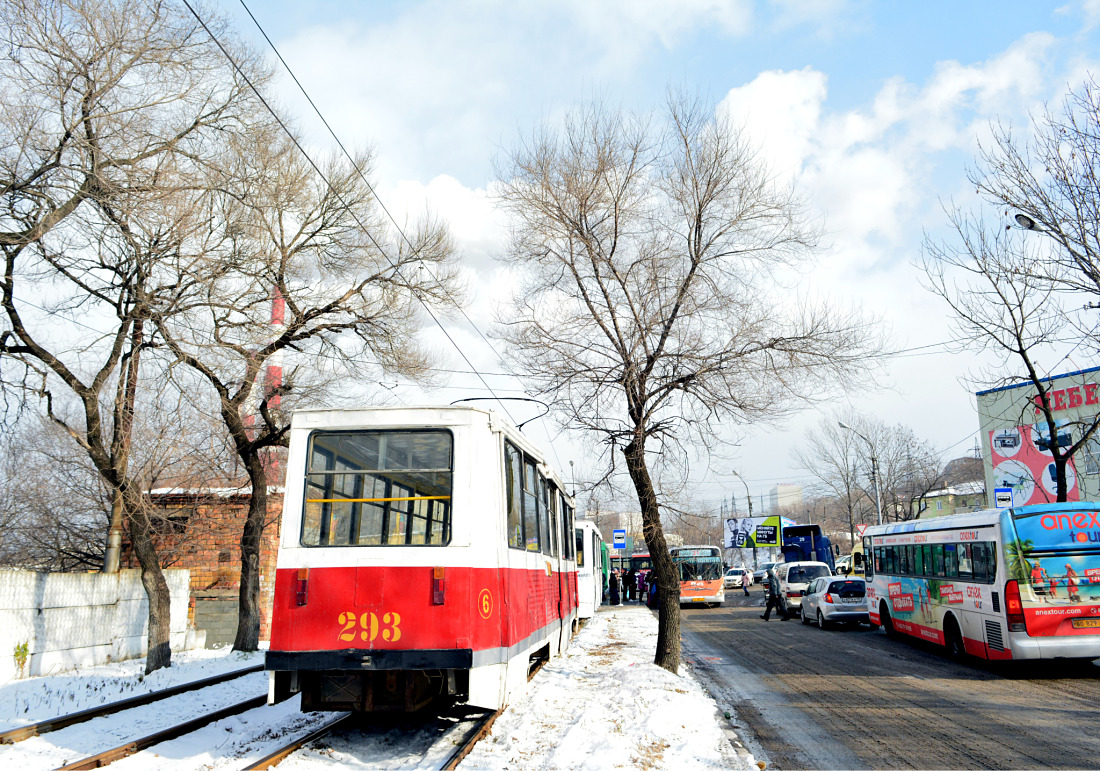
368 626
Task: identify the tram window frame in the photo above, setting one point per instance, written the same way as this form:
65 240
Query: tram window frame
531 516
546 542
513 506
338 510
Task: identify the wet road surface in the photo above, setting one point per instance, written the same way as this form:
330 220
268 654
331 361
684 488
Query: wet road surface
849 697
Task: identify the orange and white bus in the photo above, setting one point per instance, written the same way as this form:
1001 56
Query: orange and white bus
1020 583
700 574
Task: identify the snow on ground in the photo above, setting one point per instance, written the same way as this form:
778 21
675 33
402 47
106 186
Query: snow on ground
603 704
39 698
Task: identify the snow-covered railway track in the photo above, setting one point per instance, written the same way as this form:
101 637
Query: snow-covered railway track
420 741
137 745
64 721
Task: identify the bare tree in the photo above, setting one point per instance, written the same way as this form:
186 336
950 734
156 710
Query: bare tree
109 106
1053 181
1003 307
298 263
647 253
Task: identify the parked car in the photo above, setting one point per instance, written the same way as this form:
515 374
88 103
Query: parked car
758 575
796 576
732 578
827 600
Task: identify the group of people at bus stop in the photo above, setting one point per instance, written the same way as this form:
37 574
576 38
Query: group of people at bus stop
630 585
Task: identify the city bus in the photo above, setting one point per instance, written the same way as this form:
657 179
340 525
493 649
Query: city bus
700 569
1009 584
640 562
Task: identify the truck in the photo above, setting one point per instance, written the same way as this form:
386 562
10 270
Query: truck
806 543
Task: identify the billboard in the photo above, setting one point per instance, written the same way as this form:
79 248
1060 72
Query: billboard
748 532
1016 443
1022 461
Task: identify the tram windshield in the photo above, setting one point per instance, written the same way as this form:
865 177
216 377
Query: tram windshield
378 488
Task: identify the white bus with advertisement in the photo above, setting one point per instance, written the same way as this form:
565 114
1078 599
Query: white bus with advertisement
1010 584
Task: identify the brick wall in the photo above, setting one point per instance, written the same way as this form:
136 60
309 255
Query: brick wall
201 531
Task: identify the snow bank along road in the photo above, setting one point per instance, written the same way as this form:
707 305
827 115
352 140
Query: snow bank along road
601 705
852 698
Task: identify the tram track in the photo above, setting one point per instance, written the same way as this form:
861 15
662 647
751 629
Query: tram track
40 727
482 724
172 732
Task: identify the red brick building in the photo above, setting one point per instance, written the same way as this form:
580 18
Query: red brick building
201 530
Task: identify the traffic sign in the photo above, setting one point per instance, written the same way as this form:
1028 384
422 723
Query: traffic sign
860 529
619 538
1002 497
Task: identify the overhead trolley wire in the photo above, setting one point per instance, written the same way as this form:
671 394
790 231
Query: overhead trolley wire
401 231
321 174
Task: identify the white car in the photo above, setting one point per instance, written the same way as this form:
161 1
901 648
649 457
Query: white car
796 576
732 578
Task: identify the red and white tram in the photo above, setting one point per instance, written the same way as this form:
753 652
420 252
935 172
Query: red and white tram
424 552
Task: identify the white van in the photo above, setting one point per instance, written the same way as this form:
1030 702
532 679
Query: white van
796 576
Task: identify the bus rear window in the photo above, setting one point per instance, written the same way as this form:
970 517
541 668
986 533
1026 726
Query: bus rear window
378 488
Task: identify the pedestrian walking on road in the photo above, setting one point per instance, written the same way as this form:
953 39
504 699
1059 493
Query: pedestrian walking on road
773 597
745 581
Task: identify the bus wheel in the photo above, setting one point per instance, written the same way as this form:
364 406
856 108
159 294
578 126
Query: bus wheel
953 638
887 622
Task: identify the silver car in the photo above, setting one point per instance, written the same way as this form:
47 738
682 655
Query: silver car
830 599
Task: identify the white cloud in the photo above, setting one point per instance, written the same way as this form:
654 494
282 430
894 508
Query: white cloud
780 112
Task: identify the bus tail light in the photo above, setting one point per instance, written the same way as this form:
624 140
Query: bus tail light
302 586
828 598
437 586
1014 607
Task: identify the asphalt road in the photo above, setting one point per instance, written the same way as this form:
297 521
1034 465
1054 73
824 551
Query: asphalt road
849 698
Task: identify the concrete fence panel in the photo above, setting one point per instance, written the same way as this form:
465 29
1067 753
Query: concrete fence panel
70 620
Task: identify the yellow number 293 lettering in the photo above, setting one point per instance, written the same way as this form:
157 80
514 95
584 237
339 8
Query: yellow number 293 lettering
393 634
368 626
347 620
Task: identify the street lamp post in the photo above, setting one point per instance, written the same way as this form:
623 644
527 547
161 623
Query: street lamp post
874 469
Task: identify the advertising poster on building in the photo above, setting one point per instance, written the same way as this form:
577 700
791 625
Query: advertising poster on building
747 532
1022 460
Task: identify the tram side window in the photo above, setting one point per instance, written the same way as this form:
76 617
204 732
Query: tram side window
552 506
375 488
880 564
926 557
580 548
513 471
868 558
918 561
544 515
530 505
566 529
570 524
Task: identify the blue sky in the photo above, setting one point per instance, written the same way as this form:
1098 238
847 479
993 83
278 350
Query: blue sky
872 109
